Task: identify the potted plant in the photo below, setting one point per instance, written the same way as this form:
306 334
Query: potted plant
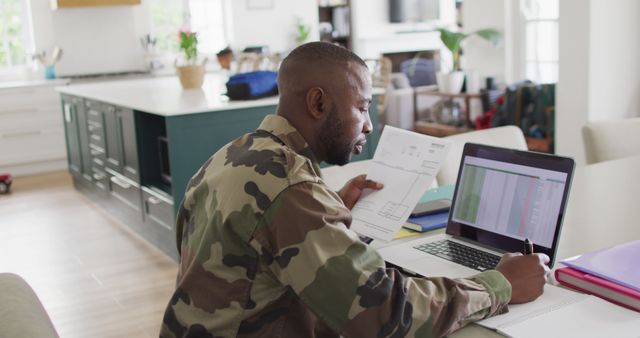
191 73
302 31
451 82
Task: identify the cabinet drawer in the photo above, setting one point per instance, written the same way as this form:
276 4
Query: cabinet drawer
28 96
94 112
31 116
100 179
29 145
159 219
98 157
125 190
158 208
96 140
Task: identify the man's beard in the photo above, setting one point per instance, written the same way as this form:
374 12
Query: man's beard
332 136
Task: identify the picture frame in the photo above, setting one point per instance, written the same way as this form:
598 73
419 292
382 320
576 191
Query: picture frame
259 4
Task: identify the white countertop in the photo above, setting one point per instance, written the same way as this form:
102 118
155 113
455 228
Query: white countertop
164 95
33 83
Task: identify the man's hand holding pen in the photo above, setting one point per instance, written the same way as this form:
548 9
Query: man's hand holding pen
526 273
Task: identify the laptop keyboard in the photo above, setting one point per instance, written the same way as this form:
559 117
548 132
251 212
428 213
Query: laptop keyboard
461 254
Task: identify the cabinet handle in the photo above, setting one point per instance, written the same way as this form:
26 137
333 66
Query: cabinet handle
98 162
95 152
123 185
153 200
96 137
22 134
98 177
92 127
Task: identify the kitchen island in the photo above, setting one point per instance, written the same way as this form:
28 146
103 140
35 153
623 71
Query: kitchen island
133 145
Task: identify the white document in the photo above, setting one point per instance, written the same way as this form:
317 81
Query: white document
564 313
406 163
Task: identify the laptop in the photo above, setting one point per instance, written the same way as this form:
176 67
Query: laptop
501 197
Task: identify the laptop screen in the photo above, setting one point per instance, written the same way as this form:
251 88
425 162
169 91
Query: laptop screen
503 196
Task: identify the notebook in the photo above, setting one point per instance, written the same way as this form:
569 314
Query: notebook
563 313
501 197
600 287
618 264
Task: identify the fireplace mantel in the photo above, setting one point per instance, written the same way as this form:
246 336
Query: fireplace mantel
372 47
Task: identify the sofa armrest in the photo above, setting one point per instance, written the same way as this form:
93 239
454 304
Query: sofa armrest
21 313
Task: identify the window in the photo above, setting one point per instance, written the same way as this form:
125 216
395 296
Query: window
206 17
541 36
15 33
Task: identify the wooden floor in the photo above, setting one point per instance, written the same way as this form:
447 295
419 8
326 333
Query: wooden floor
95 277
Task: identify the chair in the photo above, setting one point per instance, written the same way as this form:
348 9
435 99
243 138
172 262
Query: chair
506 136
249 62
399 103
611 139
21 313
336 176
421 72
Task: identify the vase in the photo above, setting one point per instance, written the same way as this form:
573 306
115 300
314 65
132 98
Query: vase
450 83
191 76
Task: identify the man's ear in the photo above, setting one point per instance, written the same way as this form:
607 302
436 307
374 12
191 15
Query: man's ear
317 103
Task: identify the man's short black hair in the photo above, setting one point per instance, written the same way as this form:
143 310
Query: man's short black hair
323 51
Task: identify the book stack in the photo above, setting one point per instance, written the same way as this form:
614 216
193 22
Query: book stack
612 274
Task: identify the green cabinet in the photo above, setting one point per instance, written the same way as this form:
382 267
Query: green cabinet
128 144
137 164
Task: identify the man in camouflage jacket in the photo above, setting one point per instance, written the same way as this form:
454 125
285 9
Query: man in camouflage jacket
265 245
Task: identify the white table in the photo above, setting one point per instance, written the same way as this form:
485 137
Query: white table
603 211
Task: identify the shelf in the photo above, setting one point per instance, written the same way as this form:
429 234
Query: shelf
438 130
459 95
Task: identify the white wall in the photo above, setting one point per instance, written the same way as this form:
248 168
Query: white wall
93 39
373 34
599 54
274 27
480 55
105 39
614 55
572 90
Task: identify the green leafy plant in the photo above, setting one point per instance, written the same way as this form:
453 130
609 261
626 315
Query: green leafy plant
452 41
189 45
303 32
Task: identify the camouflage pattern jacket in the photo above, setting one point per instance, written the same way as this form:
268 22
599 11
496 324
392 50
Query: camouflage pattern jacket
266 252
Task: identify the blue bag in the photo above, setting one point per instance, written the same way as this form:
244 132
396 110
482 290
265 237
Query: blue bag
252 85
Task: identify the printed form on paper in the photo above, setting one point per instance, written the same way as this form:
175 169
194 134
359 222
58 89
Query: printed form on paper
406 163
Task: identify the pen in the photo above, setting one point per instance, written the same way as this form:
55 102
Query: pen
528 246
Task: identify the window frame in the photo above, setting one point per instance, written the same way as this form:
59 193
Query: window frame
28 41
187 24
517 59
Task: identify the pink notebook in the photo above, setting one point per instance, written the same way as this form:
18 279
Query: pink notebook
618 264
597 286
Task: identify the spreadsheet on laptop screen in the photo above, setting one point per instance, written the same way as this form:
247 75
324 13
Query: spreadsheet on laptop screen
513 200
